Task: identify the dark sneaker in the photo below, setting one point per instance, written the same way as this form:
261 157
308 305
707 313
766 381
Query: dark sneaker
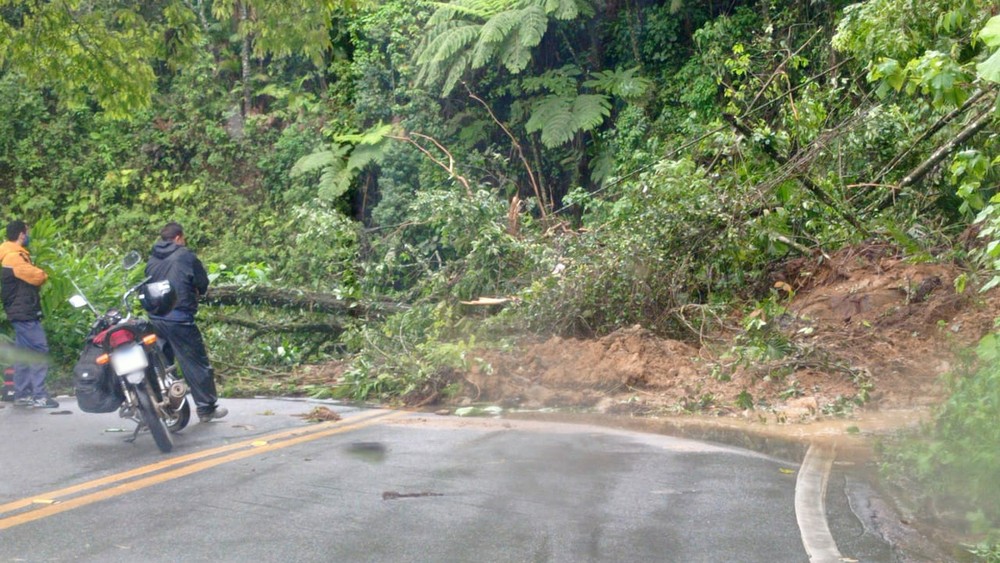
45 403
25 402
219 412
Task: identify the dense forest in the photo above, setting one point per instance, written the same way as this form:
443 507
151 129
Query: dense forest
351 172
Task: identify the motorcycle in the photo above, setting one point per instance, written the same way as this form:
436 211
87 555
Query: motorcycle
123 366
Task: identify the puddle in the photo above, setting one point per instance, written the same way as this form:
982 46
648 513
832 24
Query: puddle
852 437
372 452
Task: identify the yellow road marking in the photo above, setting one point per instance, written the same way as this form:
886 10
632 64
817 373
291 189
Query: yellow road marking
15 505
298 436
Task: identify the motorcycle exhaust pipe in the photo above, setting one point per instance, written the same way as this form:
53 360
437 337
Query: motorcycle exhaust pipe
176 393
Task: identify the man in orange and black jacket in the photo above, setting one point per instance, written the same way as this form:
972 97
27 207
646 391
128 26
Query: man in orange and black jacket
20 281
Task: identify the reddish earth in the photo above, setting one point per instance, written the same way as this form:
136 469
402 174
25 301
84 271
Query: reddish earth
864 329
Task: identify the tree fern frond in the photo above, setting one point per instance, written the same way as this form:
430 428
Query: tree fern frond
455 73
589 111
450 41
372 136
481 9
620 83
498 27
493 33
319 159
515 53
363 155
561 81
333 183
552 117
602 165
446 56
562 9
533 25
467 34
444 14
559 118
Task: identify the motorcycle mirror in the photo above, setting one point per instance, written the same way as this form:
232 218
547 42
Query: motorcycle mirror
78 301
131 260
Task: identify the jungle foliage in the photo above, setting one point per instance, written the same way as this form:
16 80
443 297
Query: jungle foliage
601 163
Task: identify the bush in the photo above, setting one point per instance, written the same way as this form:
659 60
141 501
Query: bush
955 460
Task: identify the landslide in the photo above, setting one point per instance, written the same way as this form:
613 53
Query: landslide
862 329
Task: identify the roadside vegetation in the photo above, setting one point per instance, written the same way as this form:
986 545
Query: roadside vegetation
353 172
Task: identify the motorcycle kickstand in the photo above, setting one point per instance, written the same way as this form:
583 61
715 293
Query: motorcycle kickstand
135 434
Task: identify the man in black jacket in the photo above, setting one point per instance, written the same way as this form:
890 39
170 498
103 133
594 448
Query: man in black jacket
172 260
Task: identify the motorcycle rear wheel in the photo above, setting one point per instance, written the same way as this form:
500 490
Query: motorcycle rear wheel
155 424
177 419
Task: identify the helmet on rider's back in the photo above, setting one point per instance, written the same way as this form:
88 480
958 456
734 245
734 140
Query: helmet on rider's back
158 298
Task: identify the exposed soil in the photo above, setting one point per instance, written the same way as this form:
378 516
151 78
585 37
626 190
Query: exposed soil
861 330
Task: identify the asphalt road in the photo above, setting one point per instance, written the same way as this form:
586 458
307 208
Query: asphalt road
264 484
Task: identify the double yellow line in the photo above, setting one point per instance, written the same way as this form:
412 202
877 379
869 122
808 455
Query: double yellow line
47 504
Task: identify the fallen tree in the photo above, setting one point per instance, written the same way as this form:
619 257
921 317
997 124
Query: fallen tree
296 299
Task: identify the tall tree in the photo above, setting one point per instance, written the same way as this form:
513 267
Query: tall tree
105 51
81 50
279 28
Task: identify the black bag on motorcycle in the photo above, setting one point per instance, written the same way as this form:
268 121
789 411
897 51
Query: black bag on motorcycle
95 385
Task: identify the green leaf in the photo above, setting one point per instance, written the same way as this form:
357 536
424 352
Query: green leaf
620 83
990 68
372 136
312 162
493 33
988 349
990 33
589 111
562 9
515 54
363 155
559 118
333 183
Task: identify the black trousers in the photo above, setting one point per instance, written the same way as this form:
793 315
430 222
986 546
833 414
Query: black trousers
183 342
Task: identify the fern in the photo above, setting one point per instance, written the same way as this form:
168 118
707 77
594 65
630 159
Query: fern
471 34
318 160
373 136
494 32
589 110
562 9
455 37
343 159
560 118
516 53
624 84
562 81
363 155
455 73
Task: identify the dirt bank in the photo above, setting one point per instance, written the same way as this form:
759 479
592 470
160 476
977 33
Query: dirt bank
861 330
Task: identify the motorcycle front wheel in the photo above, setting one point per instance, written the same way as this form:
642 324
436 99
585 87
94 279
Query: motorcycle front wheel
156 426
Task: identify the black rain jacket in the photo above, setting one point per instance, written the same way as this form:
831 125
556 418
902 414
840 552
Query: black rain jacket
186 274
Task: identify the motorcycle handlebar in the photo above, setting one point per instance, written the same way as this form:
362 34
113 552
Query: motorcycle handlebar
125 302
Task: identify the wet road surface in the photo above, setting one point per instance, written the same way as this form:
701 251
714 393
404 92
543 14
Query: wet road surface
264 484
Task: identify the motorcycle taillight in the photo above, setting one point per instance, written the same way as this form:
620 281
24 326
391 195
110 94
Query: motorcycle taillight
120 337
